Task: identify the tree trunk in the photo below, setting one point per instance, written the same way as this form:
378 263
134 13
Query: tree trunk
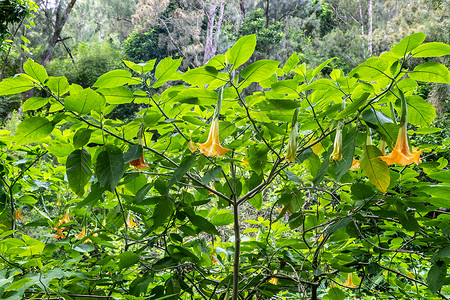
267 13
209 33
212 39
369 12
218 27
361 21
59 23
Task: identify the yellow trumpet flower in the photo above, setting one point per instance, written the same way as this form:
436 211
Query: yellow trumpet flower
212 145
401 154
292 144
130 222
337 146
18 214
139 163
349 282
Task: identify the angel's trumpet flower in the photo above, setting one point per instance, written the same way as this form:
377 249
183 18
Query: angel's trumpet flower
212 145
292 142
140 163
401 153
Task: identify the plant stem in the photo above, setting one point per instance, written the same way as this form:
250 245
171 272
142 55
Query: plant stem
237 251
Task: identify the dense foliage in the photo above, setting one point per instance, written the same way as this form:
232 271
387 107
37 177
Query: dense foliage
233 181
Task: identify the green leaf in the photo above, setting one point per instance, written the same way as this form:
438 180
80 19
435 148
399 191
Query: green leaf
291 63
361 191
436 276
348 150
165 69
196 96
203 224
375 169
276 105
336 294
408 43
109 167
116 95
78 169
256 201
163 210
114 78
431 72
420 112
338 225
222 218
58 85
81 137
371 69
186 163
442 176
33 130
260 70
35 70
15 85
288 87
321 66
241 51
200 76
353 106
323 168
211 175
434 49
143 68
134 152
127 259
408 221
84 101
34 103
442 253
143 191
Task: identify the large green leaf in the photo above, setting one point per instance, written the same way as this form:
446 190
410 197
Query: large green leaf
348 150
165 69
196 96
436 276
15 85
321 66
127 259
33 130
78 169
420 112
241 51
222 218
84 101
211 174
200 76
375 169
434 49
35 70
163 210
431 72
371 69
117 95
260 70
109 167
114 78
203 224
408 43
81 137
58 85
34 103
143 68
